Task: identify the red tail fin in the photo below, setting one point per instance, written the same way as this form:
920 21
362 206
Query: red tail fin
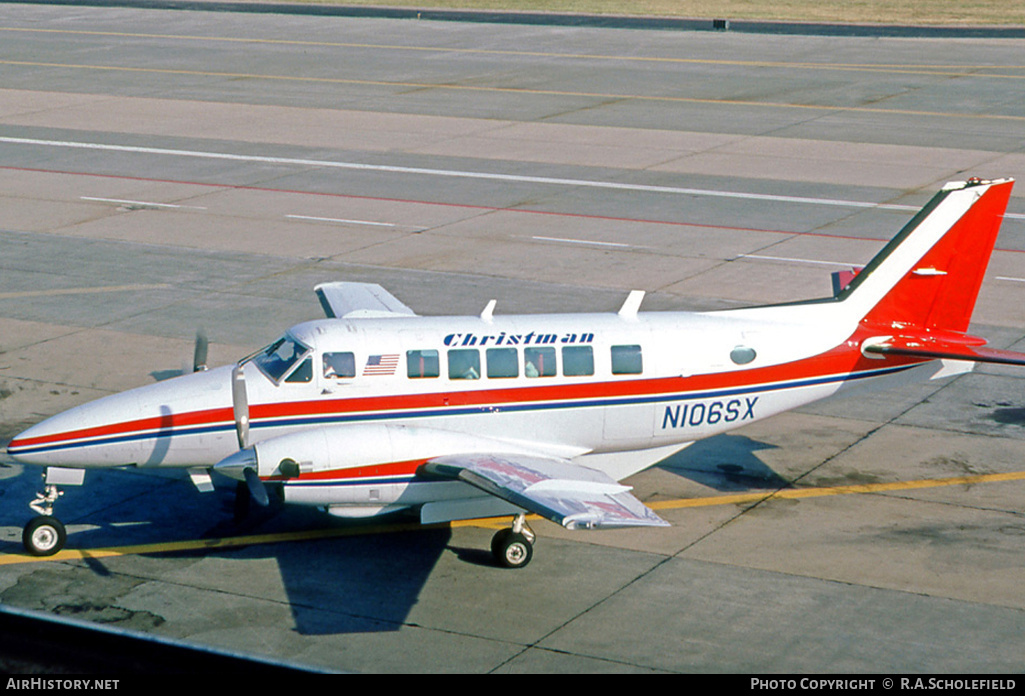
938 282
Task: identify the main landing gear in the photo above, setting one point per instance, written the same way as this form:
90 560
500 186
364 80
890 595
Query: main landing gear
514 547
44 535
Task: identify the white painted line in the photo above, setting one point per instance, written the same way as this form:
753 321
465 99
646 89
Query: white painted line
792 260
147 204
340 220
1013 280
455 173
582 241
80 291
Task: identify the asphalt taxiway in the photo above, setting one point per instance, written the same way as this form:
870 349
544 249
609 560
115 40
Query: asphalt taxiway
163 171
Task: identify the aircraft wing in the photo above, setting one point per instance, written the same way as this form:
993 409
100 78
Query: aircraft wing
352 300
956 347
572 495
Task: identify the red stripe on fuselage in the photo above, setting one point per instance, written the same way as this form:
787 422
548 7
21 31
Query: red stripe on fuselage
844 359
166 423
407 468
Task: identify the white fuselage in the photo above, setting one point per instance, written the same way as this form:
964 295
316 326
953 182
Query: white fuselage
388 394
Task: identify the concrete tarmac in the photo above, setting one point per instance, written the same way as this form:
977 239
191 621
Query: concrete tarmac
163 171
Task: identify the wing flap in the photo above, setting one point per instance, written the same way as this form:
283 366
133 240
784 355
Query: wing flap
355 300
569 494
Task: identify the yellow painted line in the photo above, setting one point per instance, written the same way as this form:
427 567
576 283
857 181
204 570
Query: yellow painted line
239 541
80 291
944 70
490 523
207 544
796 493
604 96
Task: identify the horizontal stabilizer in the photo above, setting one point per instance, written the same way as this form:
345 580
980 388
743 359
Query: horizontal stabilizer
569 494
841 279
957 347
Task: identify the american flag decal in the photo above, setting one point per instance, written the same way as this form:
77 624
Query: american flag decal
381 365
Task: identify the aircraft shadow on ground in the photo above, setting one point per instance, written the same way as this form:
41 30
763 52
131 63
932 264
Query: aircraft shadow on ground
356 582
359 584
726 463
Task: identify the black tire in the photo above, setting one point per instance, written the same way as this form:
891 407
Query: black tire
44 536
511 549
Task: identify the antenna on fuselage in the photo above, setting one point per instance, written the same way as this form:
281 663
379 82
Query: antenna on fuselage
632 304
489 312
199 353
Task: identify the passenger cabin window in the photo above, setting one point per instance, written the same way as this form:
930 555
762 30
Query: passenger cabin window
577 361
464 363
422 363
626 360
539 362
339 365
503 362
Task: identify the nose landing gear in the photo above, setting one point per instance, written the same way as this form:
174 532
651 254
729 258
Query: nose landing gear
45 535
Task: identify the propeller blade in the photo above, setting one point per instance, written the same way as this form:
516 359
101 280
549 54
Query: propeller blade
200 352
240 405
256 487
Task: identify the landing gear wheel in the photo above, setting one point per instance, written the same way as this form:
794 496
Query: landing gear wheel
511 549
44 536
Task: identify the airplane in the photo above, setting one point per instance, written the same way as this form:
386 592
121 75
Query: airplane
374 409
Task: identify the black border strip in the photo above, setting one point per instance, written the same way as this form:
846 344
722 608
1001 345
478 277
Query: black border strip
742 26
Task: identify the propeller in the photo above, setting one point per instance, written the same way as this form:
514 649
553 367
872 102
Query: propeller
256 488
240 405
245 460
244 466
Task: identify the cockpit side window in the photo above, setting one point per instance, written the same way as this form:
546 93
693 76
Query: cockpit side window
301 374
280 357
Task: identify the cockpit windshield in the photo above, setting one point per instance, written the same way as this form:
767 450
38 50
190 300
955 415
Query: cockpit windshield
278 359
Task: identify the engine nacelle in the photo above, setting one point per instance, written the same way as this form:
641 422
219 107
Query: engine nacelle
322 453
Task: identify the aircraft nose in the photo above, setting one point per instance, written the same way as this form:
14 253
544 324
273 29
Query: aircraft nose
186 421
22 447
62 438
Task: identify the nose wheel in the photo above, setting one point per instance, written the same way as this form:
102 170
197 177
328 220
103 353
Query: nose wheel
44 535
514 547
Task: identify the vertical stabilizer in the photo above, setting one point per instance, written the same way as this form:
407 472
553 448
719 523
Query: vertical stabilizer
927 279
